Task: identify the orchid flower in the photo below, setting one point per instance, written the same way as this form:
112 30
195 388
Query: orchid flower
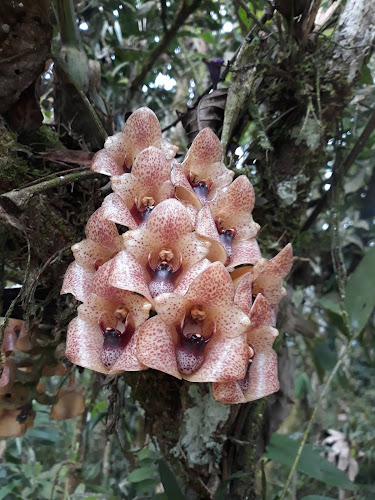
199 336
103 241
202 172
103 336
268 275
136 194
228 224
261 376
141 130
166 247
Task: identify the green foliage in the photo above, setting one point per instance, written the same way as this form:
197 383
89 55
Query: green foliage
283 449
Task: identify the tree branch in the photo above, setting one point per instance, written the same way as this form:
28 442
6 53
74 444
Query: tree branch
21 197
182 15
350 159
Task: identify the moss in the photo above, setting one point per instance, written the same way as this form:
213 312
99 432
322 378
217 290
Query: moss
13 169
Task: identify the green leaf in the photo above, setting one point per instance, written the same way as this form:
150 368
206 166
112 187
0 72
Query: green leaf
360 296
207 37
283 449
8 488
170 484
325 355
366 76
140 474
243 16
303 386
316 497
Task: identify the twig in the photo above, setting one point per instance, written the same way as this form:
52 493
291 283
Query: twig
350 159
252 16
184 12
20 197
308 22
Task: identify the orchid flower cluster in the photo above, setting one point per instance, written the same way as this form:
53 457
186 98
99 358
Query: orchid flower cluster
184 289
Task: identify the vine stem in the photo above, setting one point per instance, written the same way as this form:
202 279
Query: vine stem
312 418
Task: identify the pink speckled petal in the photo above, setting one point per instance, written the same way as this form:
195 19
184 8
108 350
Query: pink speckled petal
206 229
88 254
91 310
244 252
263 379
228 392
262 313
234 205
230 322
103 231
116 148
101 283
205 149
78 281
115 210
190 275
169 149
84 344
212 287
165 191
138 307
151 168
243 294
184 191
166 227
224 359
204 160
128 360
284 260
192 249
104 163
128 187
193 212
128 274
269 275
171 307
169 221
156 346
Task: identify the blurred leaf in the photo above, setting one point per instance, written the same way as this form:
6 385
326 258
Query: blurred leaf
303 386
140 474
170 484
326 356
207 37
243 17
49 436
5 490
366 76
360 296
283 449
316 497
